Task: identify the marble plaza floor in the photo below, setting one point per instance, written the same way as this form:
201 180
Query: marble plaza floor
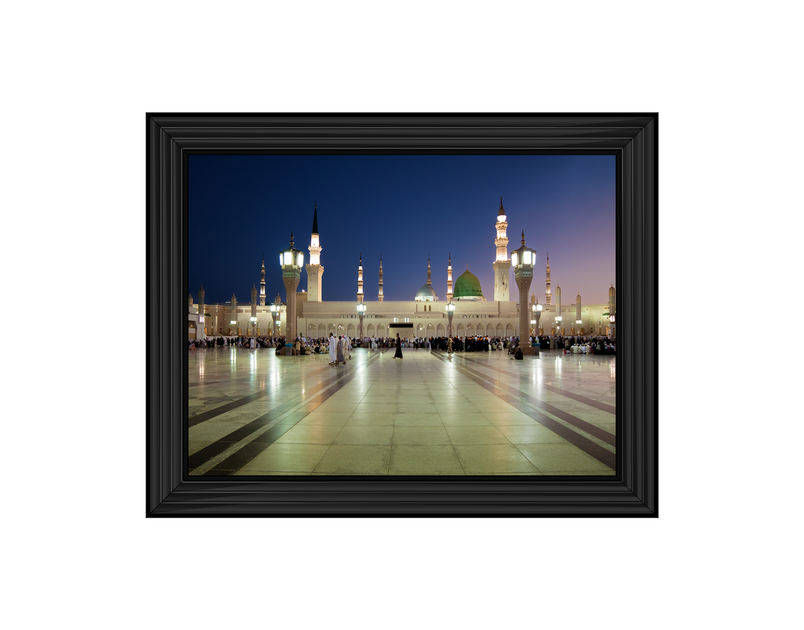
253 413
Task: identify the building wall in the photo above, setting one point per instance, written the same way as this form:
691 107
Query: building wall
318 319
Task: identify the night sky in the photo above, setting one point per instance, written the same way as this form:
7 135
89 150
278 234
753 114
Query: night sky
403 207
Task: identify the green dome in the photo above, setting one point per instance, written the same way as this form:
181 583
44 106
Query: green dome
467 286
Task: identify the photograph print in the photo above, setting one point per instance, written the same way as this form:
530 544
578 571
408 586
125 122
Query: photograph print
401 315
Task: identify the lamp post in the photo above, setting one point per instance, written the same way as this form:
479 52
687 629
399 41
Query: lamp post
579 324
558 325
274 316
361 311
253 321
612 320
523 260
450 313
291 260
537 312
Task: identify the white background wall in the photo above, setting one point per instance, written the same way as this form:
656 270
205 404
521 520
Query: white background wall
78 78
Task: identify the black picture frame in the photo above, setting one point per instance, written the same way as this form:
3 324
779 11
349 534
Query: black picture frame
632 492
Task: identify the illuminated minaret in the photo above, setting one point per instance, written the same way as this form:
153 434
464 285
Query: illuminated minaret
233 316
558 307
360 280
429 281
502 264
449 279
578 309
252 323
548 295
612 309
315 269
201 309
262 282
379 297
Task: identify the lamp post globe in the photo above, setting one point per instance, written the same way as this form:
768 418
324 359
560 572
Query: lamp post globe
361 311
274 316
450 313
291 262
537 311
523 261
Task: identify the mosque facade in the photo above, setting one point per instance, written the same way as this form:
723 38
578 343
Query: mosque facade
424 316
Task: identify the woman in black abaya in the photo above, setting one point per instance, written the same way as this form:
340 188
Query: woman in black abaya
398 354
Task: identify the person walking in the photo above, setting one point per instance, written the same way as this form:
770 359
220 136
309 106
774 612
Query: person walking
398 354
347 346
333 350
339 346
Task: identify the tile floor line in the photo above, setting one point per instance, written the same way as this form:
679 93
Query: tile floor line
585 444
557 390
213 413
583 425
521 398
218 411
247 452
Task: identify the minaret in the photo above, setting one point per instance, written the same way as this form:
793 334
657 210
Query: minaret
360 280
612 309
253 301
315 269
262 282
558 306
449 279
233 315
379 297
201 308
548 295
502 264
578 308
429 280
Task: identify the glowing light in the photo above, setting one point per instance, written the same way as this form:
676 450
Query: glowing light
300 259
526 257
288 258
513 258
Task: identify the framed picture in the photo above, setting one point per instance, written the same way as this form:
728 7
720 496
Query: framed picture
496 443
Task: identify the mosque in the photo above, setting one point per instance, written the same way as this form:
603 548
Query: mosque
424 316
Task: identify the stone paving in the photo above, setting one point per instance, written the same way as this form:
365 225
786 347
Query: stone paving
430 413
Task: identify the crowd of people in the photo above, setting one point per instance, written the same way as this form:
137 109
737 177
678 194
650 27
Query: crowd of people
339 347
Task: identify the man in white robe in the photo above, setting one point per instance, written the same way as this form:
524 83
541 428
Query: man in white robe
333 350
347 345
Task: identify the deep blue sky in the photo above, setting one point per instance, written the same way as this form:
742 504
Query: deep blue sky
403 207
